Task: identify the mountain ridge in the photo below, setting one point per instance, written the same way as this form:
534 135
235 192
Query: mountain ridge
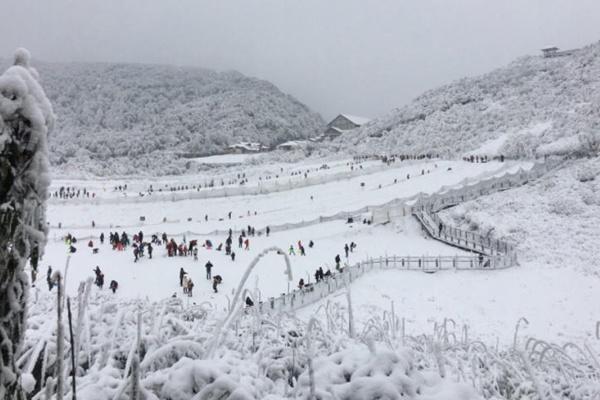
128 118
529 107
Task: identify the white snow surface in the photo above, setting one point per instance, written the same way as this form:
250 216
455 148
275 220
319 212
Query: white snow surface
487 301
557 299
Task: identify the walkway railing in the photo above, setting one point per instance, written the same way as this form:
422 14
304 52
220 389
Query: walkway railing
426 207
493 254
339 280
466 240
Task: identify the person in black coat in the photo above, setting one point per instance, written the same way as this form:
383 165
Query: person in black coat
49 278
181 274
114 285
216 281
208 267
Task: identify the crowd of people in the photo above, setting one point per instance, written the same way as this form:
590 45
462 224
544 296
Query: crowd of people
482 158
142 248
68 192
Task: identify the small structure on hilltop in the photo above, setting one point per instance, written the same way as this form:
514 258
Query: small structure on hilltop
553 51
550 51
246 147
343 123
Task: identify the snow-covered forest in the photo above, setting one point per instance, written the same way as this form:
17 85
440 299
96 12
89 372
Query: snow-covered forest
532 107
120 119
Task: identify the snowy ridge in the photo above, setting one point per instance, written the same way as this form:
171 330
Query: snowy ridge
522 110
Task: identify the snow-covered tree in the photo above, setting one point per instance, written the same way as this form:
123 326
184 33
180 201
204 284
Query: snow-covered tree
26 119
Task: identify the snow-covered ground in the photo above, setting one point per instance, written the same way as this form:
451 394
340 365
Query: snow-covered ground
275 208
559 303
227 159
261 174
554 221
490 302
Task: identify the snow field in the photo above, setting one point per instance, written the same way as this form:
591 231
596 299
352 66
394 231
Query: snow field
276 208
387 356
261 174
488 301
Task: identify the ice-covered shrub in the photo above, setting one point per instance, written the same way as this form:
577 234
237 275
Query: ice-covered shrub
26 120
357 373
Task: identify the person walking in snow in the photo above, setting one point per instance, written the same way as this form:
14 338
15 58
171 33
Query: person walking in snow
268 230
49 278
113 286
186 280
233 256
102 238
181 275
346 249
240 241
216 281
190 287
208 267
337 262
150 249
136 252
100 280
195 254
291 250
247 244
441 226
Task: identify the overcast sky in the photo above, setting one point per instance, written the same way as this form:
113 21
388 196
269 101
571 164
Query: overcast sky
358 57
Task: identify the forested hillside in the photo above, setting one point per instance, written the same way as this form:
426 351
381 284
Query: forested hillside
531 107
135 118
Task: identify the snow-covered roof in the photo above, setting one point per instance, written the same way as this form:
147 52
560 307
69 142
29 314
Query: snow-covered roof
357 120
335 128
